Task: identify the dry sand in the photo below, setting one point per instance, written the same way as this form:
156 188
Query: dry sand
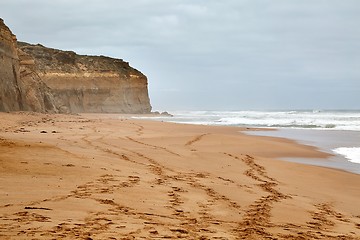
100 177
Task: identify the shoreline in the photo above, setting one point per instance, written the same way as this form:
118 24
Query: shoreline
96 176
335 160
325 140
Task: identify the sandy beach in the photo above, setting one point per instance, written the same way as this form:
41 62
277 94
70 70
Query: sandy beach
109 177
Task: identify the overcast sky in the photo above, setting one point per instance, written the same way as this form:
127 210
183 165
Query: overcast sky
211 54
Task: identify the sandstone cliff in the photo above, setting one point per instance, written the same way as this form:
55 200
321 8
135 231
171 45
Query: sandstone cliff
36 95
10 95
90 83
36 78
20 87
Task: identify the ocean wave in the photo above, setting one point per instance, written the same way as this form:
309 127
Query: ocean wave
312 119
350 153
319 120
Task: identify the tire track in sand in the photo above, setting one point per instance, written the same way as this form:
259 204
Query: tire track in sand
256 222
257 216
196 139
196 224
139 130
152 146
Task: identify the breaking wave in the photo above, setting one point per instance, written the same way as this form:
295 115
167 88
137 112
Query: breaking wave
329 120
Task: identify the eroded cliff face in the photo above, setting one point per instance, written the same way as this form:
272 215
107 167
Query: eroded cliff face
36 95
36 78
10 94
21 89
90 83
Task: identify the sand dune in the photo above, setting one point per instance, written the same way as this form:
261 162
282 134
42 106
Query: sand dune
101 177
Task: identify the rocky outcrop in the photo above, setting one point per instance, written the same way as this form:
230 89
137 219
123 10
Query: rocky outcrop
41 79
90 83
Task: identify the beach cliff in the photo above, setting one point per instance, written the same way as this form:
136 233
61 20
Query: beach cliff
41 79
10 95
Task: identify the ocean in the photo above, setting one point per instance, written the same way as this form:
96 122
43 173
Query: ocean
335 132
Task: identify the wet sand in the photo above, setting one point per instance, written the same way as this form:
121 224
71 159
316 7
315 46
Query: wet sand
325 140
101 177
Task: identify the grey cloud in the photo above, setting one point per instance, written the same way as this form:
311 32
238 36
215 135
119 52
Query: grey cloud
216 54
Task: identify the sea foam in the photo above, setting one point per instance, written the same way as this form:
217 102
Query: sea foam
320 120
350 153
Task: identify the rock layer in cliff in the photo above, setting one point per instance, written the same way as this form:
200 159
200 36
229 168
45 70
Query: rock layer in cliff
90 83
